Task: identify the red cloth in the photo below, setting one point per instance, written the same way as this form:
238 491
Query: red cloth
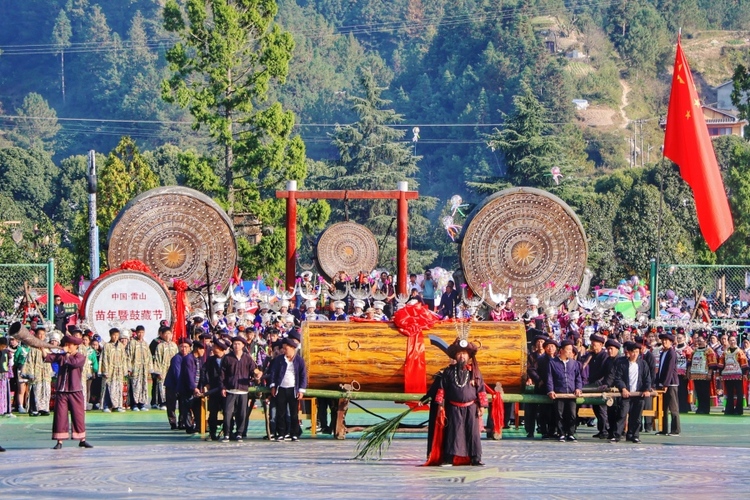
436 451
66 296
498 409
688 144
180 328
412 320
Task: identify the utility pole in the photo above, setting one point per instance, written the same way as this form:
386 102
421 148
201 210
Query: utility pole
93 228
641 143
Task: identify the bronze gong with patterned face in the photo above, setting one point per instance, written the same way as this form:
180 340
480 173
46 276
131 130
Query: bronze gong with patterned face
175 230
346 246
527 239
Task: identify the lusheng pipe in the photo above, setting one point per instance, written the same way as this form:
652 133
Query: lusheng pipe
399 397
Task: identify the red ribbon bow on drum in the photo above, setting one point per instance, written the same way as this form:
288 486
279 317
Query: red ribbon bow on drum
180 327
411 321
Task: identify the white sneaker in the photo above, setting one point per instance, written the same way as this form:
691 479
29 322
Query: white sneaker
121 410
21 409
135 408
145 408
107 410
9 415
162 408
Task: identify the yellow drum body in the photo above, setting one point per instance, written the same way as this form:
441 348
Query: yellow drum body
373 354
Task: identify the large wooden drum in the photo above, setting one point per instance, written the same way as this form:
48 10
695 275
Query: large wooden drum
527 239
175 230
346 246
373 354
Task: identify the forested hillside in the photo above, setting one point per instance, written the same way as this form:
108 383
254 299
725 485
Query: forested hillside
489 84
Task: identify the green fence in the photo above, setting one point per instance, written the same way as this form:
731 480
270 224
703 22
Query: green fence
727 288
14 278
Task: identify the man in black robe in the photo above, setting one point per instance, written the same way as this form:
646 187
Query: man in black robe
461 392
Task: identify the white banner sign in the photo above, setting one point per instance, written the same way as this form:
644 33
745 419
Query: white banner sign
130 299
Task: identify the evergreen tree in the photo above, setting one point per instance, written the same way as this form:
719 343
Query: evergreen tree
373 156
36 125
229 55
124 175
61 34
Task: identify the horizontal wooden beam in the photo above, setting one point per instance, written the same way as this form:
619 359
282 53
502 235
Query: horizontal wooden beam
355 194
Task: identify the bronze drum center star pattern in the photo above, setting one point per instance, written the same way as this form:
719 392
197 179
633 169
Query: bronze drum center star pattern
346 246
175 231
524 238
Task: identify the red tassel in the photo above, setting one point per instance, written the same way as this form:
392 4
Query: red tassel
436 452
498 410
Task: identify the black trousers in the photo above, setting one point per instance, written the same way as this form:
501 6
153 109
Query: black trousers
602 419
190 413
703 395
671 408
632 410
215 405
682 394
154 392
734 397
324 404
566 416
285 401
171 406
530 418
235 411
612 413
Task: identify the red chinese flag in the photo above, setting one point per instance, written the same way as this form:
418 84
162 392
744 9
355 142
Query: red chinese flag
687 143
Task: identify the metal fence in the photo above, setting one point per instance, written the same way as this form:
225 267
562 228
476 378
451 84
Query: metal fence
14 278
727 288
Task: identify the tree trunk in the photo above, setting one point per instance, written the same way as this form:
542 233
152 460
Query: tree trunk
62 74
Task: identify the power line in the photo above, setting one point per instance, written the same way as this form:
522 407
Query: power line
357 29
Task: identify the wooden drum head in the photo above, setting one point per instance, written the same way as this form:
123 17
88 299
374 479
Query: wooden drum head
346 246
525 238
175 230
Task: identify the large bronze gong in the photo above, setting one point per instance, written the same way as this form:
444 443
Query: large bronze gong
346 246
175 230
525 238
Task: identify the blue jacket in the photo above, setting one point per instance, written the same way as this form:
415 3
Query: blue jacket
190 374
278 370
564 378
172 380
668 369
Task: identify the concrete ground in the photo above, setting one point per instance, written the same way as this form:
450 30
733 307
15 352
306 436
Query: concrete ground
137 456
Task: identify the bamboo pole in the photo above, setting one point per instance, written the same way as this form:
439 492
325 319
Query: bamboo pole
397 397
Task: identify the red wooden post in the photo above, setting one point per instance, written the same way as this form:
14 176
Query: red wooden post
291 234
402 230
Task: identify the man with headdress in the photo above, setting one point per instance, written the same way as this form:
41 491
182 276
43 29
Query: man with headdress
40 375
113 369
69 393
139 362
700 370
461 394
733 365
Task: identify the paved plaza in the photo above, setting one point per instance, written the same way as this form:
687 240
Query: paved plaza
135 457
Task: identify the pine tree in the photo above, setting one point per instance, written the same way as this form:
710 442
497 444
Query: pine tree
374 156
230 53
61 34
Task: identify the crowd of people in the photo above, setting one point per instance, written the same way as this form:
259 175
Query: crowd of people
224 352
